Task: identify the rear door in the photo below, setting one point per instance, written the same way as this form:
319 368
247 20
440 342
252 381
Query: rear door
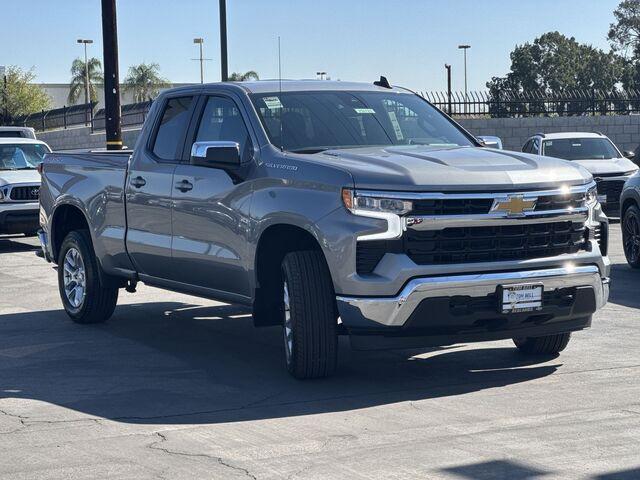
210 213
150 185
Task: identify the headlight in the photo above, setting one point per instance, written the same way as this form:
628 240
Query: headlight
358 203
592 196
374 206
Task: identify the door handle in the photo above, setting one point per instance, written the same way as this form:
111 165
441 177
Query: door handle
184 186
138 182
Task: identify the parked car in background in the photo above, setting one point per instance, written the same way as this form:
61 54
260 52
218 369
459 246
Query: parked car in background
630 218
595 152
20 184
330 208
17 132
490 141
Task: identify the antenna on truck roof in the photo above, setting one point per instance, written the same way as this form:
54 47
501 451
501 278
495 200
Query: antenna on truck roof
383 82
280 95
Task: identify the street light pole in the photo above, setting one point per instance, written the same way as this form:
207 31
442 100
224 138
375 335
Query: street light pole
448 67
86 42
321 75
223 41
199 42
466 94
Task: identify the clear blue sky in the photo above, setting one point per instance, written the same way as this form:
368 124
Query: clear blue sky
408 40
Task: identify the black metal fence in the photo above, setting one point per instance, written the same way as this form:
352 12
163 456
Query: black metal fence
536 103
472 104
133 114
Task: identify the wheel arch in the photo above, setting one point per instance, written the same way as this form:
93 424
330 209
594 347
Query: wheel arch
66 218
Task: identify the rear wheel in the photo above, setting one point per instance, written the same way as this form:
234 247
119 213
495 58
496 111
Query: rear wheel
548 345
310 318
84 297
631 235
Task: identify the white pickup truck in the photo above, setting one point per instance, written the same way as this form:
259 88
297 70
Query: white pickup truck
20 184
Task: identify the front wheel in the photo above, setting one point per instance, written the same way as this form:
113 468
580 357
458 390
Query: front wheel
84 297
631 236
548 345
310 319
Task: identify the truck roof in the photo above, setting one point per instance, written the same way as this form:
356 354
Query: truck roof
20 140
275 85
558 135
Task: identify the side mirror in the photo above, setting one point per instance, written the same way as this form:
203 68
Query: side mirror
629 154
215 154
490 141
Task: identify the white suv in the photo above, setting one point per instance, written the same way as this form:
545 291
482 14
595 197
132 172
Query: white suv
20 184
595 152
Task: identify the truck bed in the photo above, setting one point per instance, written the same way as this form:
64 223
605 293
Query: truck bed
96 180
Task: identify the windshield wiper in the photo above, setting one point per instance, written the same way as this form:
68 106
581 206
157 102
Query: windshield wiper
310 149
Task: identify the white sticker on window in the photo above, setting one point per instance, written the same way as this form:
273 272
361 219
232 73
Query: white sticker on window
396 125
364 110
272 102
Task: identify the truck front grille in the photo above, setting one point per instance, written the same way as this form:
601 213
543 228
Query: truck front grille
482 206
612 189
25 193
477 244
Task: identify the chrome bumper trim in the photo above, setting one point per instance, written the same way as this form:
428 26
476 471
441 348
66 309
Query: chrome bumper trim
395 311
42 237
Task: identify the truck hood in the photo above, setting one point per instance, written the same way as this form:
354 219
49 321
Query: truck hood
8 177
609 165
428 168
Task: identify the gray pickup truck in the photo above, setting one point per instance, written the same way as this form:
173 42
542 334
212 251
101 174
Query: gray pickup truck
330 208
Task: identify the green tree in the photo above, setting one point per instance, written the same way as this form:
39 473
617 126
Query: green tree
144 81
22 96
624 36
554 62
78 76
243 77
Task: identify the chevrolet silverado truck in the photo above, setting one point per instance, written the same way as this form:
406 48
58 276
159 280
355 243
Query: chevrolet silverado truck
330 208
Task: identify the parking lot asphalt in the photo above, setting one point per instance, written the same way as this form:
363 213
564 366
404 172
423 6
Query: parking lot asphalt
178 387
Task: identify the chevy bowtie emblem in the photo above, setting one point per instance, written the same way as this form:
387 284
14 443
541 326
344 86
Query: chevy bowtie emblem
514 205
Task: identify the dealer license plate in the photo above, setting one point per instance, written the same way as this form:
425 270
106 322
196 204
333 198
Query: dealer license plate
524 297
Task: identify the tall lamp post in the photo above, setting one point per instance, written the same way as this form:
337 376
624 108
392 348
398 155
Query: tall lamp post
448 68
199 41
466 94
86 42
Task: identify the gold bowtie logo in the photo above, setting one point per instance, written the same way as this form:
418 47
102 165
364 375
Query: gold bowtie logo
514 205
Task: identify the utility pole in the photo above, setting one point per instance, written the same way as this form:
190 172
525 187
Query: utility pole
448 67
86 42
111 75
199 42
223 41
466 94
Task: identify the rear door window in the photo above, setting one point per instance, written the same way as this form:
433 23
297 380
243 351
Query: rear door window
173 126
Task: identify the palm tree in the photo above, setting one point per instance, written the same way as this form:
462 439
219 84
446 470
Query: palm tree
144 81
243 77
78 78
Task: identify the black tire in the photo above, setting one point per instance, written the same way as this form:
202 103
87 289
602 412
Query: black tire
549 345
98 301
631 235
313 318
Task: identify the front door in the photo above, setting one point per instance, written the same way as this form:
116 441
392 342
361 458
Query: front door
149 188
210 208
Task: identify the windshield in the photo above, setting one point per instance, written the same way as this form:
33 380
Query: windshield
314 121
580 148
21 156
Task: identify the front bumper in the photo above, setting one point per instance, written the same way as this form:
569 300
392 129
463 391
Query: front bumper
451 309
19 217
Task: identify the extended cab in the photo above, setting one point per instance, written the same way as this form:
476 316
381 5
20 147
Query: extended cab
331 208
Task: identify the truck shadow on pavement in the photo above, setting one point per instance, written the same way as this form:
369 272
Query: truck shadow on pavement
12 244
624 285
170 363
